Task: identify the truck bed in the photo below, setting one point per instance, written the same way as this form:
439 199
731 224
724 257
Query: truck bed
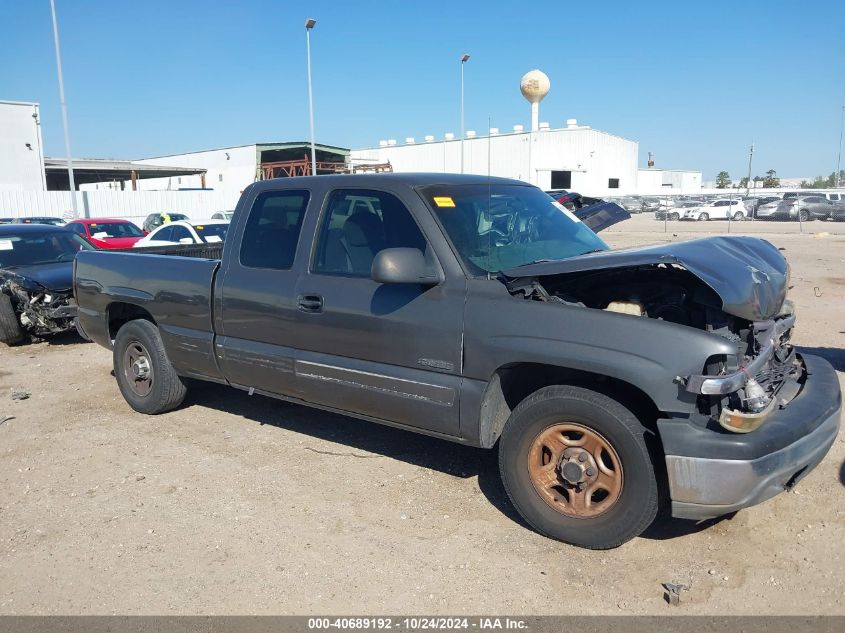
175 292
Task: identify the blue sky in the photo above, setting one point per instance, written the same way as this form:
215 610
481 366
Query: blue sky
693 82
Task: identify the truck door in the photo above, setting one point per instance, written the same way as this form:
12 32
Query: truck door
255 302
388 351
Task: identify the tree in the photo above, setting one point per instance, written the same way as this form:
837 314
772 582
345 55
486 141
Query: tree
743 183
771 180
723 180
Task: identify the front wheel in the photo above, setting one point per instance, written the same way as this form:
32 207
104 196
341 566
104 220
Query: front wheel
703 217
804 215
144 374
674 216
576 466
11 332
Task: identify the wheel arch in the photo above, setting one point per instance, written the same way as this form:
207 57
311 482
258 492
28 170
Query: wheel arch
510 384
119 313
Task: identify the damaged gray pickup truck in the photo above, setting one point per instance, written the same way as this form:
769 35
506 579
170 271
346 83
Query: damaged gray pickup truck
480 311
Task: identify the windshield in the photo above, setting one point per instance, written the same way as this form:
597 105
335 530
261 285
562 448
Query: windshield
212 232
50 221
30 249
102 230
497 227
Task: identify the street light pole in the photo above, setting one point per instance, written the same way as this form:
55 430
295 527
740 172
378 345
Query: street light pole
309 24
839 157
63 102
748 182
464 59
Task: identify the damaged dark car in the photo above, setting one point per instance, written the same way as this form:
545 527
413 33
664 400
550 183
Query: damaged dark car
36 281
481 311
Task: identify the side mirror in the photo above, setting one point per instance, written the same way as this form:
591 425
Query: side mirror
186 240
403 266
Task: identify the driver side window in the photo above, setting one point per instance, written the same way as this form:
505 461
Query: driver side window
356 225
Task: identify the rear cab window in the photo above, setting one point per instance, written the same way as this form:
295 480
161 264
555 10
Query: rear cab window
273 228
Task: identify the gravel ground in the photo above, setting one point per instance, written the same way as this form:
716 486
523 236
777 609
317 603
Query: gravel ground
236 504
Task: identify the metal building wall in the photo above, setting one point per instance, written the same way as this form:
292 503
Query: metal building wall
132 205
229 169
21 167
592 156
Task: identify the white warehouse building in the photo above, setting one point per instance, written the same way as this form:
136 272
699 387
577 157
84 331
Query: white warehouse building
572 157
21 154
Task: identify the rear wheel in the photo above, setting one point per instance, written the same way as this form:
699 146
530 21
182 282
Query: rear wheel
11 332
703 217
738 216
576 466
144 374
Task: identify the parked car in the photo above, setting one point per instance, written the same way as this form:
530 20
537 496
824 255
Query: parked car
675 212
36 290
155 220
716 210
827 195
223 215
6 220
39 220
107 232
183 232
477 310
632 204
803 208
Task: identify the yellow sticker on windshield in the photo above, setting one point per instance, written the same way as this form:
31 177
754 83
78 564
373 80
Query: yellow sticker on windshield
444 201
199 228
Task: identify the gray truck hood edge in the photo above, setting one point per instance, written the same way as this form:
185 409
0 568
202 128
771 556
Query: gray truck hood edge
749 274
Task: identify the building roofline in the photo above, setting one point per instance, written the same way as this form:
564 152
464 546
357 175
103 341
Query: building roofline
26 103
509 133
256 145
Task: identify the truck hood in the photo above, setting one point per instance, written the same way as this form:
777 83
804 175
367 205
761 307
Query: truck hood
56 277
749 274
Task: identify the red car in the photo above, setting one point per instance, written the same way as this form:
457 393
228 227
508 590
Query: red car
107 232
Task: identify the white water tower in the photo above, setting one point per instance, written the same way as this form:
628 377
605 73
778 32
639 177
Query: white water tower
534 86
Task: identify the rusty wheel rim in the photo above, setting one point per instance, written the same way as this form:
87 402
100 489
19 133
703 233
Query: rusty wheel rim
137 369
575 470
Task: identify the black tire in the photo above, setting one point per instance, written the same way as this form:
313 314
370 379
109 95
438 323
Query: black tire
11 332
738 216
804 215
166 391
80 331
704 217
637 503
674 216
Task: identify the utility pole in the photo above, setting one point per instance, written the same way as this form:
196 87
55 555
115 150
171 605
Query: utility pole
464 60
309 24
748 182
839 157
63 102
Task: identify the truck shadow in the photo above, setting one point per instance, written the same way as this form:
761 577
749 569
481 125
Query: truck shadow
350 434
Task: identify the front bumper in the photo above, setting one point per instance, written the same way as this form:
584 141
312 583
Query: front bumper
713 472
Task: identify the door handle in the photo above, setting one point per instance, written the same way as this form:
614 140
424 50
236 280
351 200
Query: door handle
310 303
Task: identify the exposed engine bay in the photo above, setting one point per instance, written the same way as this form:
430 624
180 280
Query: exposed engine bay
38 310
739 391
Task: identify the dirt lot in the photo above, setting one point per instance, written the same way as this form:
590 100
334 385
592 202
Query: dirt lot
238 504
